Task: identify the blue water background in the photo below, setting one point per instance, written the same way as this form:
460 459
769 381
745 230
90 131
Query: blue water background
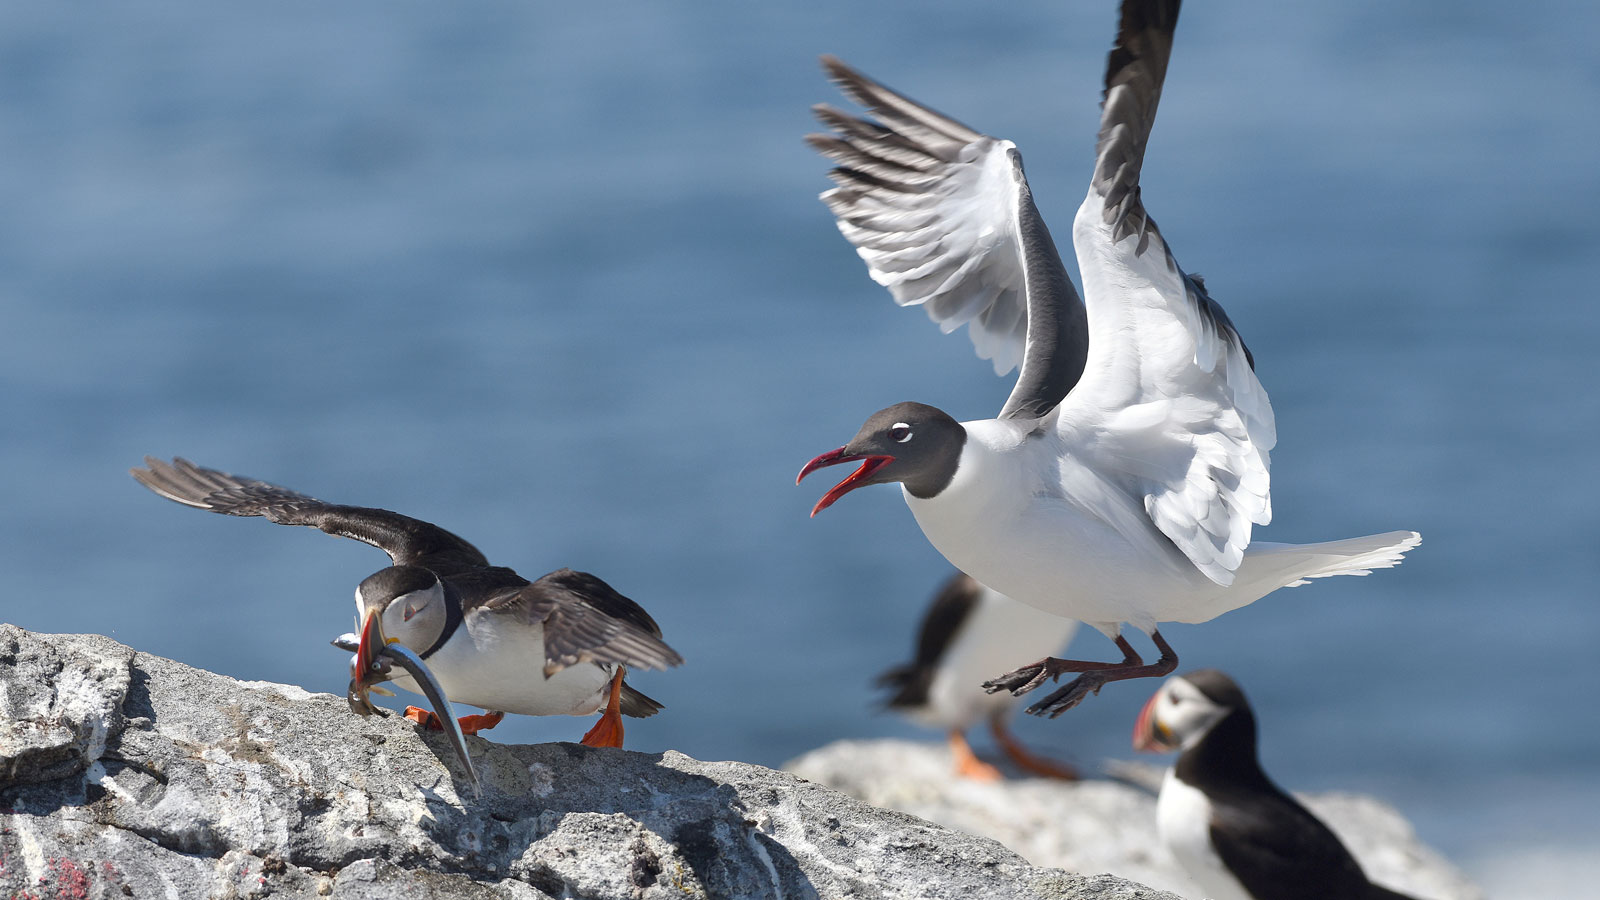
555 277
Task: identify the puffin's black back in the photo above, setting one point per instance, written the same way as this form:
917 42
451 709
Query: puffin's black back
910 681
1279 851
1275 847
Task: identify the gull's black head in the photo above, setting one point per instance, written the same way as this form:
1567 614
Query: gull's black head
912 443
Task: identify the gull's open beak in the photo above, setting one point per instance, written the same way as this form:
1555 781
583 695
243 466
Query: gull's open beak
856 479
363 678
1149 735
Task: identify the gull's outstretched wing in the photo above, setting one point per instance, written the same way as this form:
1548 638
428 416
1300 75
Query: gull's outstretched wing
944 219
408 541
1169 396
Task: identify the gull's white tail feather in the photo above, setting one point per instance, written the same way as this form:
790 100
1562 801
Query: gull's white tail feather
1295 564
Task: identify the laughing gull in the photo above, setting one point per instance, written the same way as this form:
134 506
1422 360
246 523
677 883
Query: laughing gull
1238 835
560 645
1121 480
968 633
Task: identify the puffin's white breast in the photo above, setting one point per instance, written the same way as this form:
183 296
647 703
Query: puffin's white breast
1183 816
494 663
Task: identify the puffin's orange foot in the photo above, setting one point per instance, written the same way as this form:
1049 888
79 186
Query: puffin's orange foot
608 731
978 770
424 717
475 724
469 724
968 765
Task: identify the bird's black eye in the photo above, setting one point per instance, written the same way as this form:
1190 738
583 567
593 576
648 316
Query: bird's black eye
900 432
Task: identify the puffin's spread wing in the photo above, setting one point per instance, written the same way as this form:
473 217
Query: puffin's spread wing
408 541
586 620
944 219
1169 397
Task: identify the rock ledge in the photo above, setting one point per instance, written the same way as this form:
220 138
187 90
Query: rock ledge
127 775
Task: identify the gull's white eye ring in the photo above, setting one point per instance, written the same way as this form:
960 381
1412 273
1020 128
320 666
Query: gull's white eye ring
900 432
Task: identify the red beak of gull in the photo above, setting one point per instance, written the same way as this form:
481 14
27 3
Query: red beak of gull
856 479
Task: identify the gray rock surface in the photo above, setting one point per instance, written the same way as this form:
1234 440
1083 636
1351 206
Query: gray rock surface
1103 826
127 775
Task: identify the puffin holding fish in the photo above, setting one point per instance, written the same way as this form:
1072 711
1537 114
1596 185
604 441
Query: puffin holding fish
560 645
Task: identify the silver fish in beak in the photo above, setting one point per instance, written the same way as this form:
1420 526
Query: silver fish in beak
365 676
368 667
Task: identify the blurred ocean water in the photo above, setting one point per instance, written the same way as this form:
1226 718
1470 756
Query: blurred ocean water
557 279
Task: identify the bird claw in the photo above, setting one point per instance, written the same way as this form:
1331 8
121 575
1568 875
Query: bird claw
1026 678
1074 693
1019 682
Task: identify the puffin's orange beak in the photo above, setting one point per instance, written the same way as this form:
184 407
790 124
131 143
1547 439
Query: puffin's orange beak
1149 735
366 668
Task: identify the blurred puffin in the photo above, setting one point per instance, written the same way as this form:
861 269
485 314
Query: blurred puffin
968 633
560 645
1238 835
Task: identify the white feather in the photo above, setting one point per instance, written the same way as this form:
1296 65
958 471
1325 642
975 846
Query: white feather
951 247
1167 399
1075 541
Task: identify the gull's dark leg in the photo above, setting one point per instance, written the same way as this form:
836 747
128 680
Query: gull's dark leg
1031 676
1094 676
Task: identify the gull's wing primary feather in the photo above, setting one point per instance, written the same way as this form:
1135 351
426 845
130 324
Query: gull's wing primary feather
408 541
944 219
1169 396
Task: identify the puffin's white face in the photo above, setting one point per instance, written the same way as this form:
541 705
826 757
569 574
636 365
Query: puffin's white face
415 619
1176 718
400 604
